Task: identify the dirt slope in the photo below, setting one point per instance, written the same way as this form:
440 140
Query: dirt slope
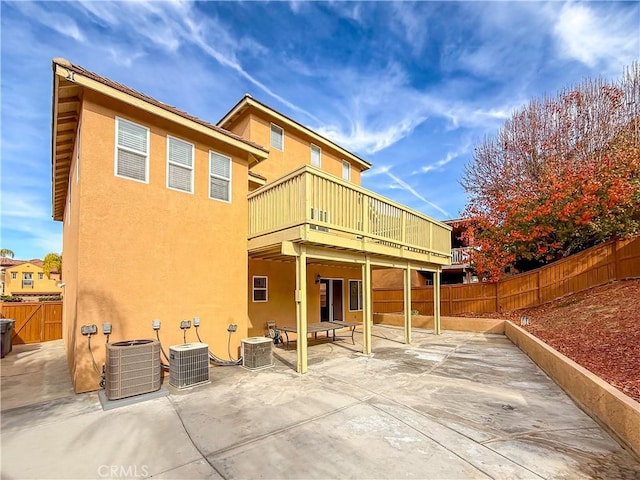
598 328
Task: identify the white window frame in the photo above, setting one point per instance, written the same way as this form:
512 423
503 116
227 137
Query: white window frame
40 276
14 275
281 135
27 279
117 147
181 165
346 165
264 289
360 296
319 165
221 177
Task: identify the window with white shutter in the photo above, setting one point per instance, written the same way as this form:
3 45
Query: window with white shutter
132 151
179 165
316 156
219 177
277 137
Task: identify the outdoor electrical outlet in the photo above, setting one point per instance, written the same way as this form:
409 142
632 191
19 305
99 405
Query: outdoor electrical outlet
232 328
156 324
196 321
106 328
89 330
185 324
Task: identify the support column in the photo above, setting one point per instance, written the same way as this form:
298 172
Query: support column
301 310
436 302
367 314
407 305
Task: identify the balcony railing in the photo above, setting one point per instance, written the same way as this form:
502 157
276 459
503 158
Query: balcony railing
325 203
461 256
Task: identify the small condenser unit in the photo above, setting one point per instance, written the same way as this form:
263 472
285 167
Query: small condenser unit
256 353
188 364
132 368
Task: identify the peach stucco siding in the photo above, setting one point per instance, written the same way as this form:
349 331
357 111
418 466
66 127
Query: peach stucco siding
70 239
296 153
144 251
281 306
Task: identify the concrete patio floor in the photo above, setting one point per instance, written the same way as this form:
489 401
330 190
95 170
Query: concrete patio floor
458 405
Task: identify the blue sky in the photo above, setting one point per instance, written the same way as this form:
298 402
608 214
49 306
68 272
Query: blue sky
411 87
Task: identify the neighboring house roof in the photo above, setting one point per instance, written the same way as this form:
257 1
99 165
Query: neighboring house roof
249 102
456 221
35 262
68 77
9 262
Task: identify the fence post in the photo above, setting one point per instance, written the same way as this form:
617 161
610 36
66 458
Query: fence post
615 259
539 289
498 306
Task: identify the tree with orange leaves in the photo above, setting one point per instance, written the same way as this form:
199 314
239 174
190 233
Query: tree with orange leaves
563 174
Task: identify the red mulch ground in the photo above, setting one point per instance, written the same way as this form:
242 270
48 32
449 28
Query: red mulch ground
598 328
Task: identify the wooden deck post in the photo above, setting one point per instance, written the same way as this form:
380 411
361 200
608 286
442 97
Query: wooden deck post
436 302
367 317
407 304
301 310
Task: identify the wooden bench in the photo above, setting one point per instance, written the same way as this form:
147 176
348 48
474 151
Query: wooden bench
321 327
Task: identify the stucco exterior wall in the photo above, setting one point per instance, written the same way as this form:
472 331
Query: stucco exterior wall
70 238
297 150
179 255
281 306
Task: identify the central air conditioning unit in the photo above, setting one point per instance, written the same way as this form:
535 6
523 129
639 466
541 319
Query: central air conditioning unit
188 364
256 353
132 368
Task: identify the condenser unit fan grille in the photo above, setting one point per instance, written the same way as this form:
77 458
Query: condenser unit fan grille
132 368
188 364
257 353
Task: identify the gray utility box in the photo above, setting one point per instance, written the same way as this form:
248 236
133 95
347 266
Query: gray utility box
188 364
132 368
6 330
257 353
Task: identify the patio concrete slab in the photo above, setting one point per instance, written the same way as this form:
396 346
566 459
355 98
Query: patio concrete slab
458 405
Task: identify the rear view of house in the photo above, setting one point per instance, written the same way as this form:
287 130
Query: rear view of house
255 219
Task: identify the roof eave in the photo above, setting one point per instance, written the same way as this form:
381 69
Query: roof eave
248 101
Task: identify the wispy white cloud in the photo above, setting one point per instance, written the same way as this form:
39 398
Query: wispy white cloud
591 36
368 138
21 205
376 170
60 22
401 184
451 155
172 25
413 28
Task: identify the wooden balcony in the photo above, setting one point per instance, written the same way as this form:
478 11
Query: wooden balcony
316 208
461 256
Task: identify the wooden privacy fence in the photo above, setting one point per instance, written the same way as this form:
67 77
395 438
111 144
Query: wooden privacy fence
613 260
35 322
